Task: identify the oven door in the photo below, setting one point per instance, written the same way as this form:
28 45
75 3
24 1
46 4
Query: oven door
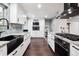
61 47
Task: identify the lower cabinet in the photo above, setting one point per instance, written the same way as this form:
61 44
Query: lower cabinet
21 50
3 51
52 45
51 42
26 44
74 50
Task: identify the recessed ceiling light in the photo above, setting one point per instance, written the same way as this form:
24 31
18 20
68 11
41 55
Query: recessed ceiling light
45 16
39 5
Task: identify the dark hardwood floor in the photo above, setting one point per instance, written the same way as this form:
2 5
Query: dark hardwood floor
38 47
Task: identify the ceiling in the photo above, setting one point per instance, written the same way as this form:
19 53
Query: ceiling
47 9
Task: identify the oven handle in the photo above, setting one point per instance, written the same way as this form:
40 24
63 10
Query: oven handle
61 46
75 47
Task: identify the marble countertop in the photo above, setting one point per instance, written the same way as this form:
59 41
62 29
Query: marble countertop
67 40
19 33
3 43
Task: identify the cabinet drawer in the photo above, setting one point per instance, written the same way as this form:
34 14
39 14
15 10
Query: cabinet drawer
74 50
3 51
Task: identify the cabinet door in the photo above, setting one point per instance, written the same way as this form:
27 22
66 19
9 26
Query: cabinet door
51 42
13 13
21 20
74 50
49 37
20 50
27 42
3 51
52 45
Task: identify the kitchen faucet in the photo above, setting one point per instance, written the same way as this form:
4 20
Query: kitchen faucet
6 21
7 24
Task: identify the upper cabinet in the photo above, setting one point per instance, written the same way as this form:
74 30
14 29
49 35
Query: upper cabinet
16 14
13 13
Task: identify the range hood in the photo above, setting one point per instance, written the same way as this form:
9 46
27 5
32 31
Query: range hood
70 10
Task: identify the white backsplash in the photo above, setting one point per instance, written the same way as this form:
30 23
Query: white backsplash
14 28
74 25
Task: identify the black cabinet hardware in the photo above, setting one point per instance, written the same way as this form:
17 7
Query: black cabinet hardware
75 47
15 53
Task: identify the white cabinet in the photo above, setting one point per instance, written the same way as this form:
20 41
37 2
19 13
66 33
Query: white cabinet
22 20
3 51
14 14
51 41
74 50
27 42
20 50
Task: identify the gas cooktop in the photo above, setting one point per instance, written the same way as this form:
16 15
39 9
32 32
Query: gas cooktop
69 36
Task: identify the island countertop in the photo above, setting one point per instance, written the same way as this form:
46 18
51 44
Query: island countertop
3 43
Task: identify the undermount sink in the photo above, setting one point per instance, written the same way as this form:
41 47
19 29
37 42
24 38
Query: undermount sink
9 38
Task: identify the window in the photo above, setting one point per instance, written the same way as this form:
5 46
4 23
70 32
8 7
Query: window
1 12
36 26
35 23
2 15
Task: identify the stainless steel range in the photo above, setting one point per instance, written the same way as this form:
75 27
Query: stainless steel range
61 46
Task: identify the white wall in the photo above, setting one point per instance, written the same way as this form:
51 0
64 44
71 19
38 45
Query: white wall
57 24
74 26
48 25
39 33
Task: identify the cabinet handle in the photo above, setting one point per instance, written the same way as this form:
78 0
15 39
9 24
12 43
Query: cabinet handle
75 47
21 45
15 53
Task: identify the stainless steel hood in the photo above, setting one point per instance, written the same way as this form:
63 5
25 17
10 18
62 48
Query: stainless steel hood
70 10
